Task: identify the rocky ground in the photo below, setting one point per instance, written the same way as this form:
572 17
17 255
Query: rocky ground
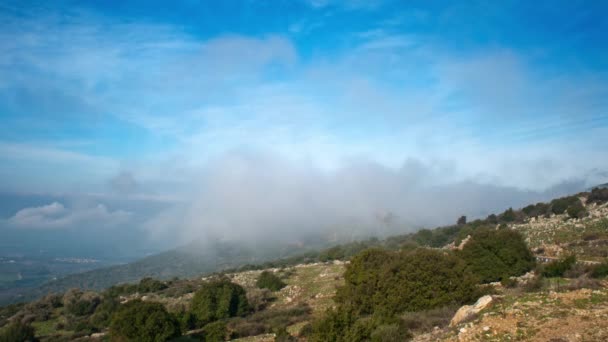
557 235
578 315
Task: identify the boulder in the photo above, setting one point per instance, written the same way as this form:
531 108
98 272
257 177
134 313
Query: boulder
467 312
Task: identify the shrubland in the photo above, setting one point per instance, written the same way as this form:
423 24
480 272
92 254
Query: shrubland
390 289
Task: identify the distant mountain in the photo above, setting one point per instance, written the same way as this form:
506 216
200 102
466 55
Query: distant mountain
187 261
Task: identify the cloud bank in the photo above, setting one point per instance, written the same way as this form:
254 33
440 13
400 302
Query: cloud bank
56 216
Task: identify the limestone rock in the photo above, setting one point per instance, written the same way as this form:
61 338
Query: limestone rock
469 311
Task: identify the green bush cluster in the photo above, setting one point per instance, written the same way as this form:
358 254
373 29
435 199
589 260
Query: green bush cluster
600 270
17 332
598 195
143 321
79 303
150 285
576 210
557 268
493 255
268 280
219 299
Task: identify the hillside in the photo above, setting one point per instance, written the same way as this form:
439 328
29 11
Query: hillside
186 261
570 306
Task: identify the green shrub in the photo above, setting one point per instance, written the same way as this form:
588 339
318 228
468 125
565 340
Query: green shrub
388 283
143 321
103 313
394 332
281 335
214 332
334 326
269 320
560 205
17 332
268 280
219 299
557 268
150 285
508 216
600 270
577 210
494 254
80 303
598 195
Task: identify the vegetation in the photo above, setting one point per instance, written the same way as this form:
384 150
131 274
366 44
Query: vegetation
493 255
219 299
576 210
268 280
598 195
143 321
558 268
389 283
600 270
390 289
17 331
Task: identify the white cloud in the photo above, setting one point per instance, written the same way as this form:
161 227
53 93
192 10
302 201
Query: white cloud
57 216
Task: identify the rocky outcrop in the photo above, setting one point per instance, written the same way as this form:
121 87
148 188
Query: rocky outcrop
468 312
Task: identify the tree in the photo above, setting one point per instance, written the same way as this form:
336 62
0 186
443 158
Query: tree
143 321
494 254
508 216
80 303
150 285
577 210
17 332
560 205
461 220
215 332
557 268
219 299
268 280
385 283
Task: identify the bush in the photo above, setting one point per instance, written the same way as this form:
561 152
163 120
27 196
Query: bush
600 270
258 299
577 210
17 332
80 303
150 285
214 332
598 195
219 299
388 283
495 254
560 205
508 216
390 333
535 284
281 335
428 319
143 321
557 268
103 313
333 326
268 320
268 280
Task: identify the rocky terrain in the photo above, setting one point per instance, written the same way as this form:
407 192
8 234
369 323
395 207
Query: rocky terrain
525 308
557 235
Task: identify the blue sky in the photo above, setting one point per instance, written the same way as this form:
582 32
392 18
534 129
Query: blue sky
158 94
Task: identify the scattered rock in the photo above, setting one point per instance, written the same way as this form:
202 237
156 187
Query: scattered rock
467 312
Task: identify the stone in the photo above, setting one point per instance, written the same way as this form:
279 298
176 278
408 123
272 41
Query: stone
467 312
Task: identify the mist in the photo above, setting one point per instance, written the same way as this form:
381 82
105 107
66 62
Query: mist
256 197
